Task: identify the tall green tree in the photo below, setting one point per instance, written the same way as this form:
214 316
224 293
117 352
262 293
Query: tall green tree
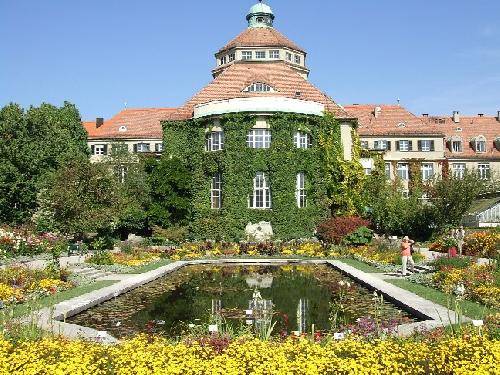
170 183
78 198
452 196
34 143
133 189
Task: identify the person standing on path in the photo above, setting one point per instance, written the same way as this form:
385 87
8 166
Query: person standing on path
406 255
460 237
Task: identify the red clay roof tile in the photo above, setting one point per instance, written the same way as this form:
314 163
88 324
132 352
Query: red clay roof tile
392 120
261 37
143 123
467 129
285 81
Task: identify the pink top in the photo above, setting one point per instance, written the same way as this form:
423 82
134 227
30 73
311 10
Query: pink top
405 248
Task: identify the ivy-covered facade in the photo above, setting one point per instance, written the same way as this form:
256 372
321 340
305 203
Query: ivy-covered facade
287 181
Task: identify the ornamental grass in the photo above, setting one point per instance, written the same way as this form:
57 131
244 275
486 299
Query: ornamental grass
468 354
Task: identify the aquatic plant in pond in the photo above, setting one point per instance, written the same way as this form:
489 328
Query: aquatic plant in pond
194 297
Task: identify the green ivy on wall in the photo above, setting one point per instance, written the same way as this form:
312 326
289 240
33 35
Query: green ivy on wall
332 184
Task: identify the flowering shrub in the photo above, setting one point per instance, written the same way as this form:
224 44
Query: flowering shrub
478 281
18 284
469 354
482 244
335 229
16 242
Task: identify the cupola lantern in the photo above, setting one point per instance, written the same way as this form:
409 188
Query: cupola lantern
260 15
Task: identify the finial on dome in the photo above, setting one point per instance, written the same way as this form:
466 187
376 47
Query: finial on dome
260 15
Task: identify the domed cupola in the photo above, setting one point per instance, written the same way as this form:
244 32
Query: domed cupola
260 15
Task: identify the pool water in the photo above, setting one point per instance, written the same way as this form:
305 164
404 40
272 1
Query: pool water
299 297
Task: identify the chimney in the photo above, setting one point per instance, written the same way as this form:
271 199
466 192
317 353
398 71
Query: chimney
99 122
425 115
377 112
498 116
456 117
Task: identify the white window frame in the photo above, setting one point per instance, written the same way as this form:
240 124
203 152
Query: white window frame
143 148
456 145
232 57
458 170
480 145
261 197
406 144
426 145
403 171
121 172
427 171
216 192
214 141
274 54
364 145
259 87
298 59
259 138
100 150
223 60
381 144
300 190
302 140
484 171
246 55
387 169
260 55
159 147
289 56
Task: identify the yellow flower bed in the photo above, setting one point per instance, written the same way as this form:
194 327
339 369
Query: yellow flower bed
135 259
10 294
468 355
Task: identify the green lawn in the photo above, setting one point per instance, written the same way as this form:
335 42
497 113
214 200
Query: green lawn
361 265
471 309
26 308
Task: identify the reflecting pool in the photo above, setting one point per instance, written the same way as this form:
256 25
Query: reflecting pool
298 298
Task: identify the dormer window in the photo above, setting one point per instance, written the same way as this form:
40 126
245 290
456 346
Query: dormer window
260 19
455 144
231 57
223 60
297 59
289 56
122 128
479 144
497 143
259 87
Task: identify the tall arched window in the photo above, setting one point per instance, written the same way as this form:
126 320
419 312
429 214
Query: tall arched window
261 197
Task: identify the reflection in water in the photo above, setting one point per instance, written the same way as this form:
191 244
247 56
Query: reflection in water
288 297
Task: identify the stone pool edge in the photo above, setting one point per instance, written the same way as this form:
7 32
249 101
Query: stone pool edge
53 318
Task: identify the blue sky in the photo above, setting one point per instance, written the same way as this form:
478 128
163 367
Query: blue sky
436 56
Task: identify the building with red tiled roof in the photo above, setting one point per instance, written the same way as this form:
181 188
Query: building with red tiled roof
465 142
402 137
